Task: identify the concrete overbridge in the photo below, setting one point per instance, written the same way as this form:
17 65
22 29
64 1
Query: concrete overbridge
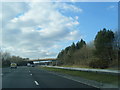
48 61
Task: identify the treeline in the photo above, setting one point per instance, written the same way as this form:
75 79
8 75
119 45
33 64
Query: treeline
6 59
101 53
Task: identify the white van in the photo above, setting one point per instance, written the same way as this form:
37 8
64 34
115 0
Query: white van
13 65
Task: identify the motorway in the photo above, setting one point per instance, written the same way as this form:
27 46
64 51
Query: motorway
33 77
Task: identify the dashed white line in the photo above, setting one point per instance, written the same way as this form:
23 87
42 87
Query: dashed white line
36 83
29 71
30 74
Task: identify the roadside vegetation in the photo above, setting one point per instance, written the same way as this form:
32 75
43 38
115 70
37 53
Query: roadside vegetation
6 59
103 78
103 52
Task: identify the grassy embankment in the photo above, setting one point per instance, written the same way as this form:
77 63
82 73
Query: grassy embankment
84 66
105 78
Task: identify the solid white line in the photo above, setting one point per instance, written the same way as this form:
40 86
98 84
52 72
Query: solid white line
36 83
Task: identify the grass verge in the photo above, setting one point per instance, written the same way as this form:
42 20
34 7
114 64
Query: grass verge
83 66
104 78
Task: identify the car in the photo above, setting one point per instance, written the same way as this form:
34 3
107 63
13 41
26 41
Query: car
28 64
32 65
13 65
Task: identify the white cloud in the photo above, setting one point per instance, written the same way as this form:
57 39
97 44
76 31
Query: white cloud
112 7
73 23
0 25
71 7
10 10
76 17
60 1
39 30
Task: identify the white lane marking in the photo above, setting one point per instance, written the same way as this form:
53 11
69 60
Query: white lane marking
29 71
30 74
36 83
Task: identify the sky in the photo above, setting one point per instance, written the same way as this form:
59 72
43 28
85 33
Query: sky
42 29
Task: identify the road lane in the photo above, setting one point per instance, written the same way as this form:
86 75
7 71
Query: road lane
49 80
18 78
32 77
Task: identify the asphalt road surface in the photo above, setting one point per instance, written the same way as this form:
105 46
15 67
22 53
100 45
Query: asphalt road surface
32 77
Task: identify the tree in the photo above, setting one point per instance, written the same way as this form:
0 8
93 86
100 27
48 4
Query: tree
103 44
80 44
116 48
5 56
60 57
72 48
83 56
66 55
116 44
20 61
